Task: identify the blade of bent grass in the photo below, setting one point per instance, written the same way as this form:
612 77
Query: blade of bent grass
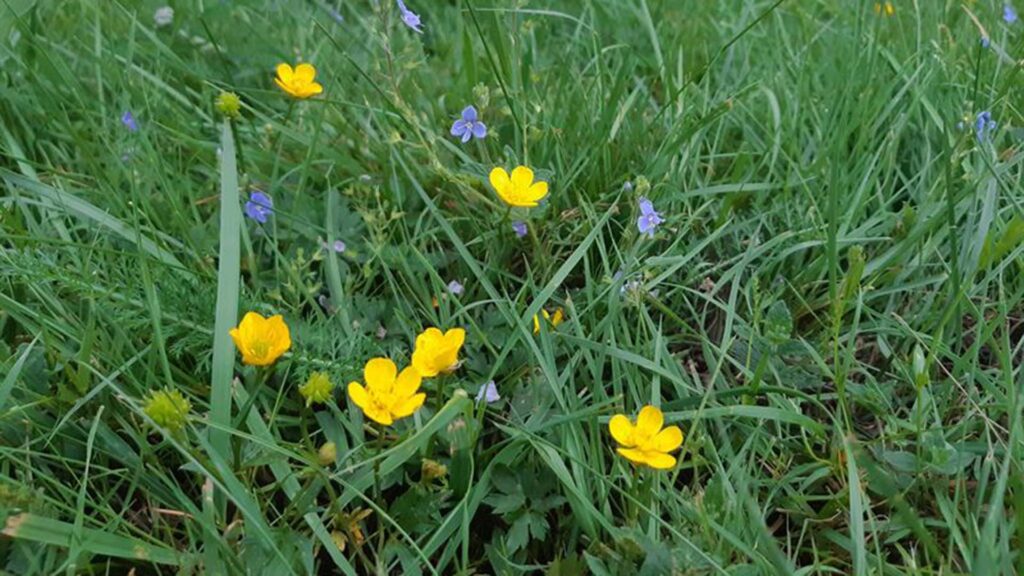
35 528
227 294
8 384
227 311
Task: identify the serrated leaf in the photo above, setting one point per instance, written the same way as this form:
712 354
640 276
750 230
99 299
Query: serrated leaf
505 504
518 534
538 525
778 325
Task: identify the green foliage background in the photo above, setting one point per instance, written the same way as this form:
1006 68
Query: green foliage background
831 312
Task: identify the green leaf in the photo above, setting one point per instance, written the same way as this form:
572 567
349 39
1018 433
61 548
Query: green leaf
518 535
505 504
227 295
778 323
34 528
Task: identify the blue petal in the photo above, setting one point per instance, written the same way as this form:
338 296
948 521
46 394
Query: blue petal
467 135
459 127
646 207
479 129
519 227
469 114
256 212
261 199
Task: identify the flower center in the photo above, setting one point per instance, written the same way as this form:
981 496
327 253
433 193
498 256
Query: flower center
259 348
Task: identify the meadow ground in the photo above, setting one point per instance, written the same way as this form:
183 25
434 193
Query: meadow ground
793 225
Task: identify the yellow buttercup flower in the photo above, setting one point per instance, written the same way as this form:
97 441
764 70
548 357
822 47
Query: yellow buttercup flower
554 320
519 189
261 340
437 352
646 442
886 7
299 82
388 395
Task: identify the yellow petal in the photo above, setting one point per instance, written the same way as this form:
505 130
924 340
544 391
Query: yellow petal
280 331
305 73
285 73
236 335
522 178
536 324
649 422
558 317
448 360
358 395
537 191
407 383
251 321
428 338
668 439
633 455
287 88
660 461
379 374
499 180
378 414
315 88
423 362
455 338
408 406
622 430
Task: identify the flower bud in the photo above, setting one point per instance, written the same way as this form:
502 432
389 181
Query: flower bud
168 409
328 454
229 104
317 389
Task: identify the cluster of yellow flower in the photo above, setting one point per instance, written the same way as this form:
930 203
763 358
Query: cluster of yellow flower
387 394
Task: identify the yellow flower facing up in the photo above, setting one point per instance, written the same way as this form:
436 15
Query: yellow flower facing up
437 352
299 82
646 442
887 8
388 395
261 340
519 189
554 320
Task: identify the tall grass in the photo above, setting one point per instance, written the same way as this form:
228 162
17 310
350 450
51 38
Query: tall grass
831 311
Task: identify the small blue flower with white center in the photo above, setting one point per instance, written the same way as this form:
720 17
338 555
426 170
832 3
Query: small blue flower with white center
649 218
259 207
469 126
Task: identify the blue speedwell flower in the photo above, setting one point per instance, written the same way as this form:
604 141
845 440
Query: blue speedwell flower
488 393
259 207
649 218
469 126
984 125
338 246
411 19
1009 14
519 227
129 121
456 288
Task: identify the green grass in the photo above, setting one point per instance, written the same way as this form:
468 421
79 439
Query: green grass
832 312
